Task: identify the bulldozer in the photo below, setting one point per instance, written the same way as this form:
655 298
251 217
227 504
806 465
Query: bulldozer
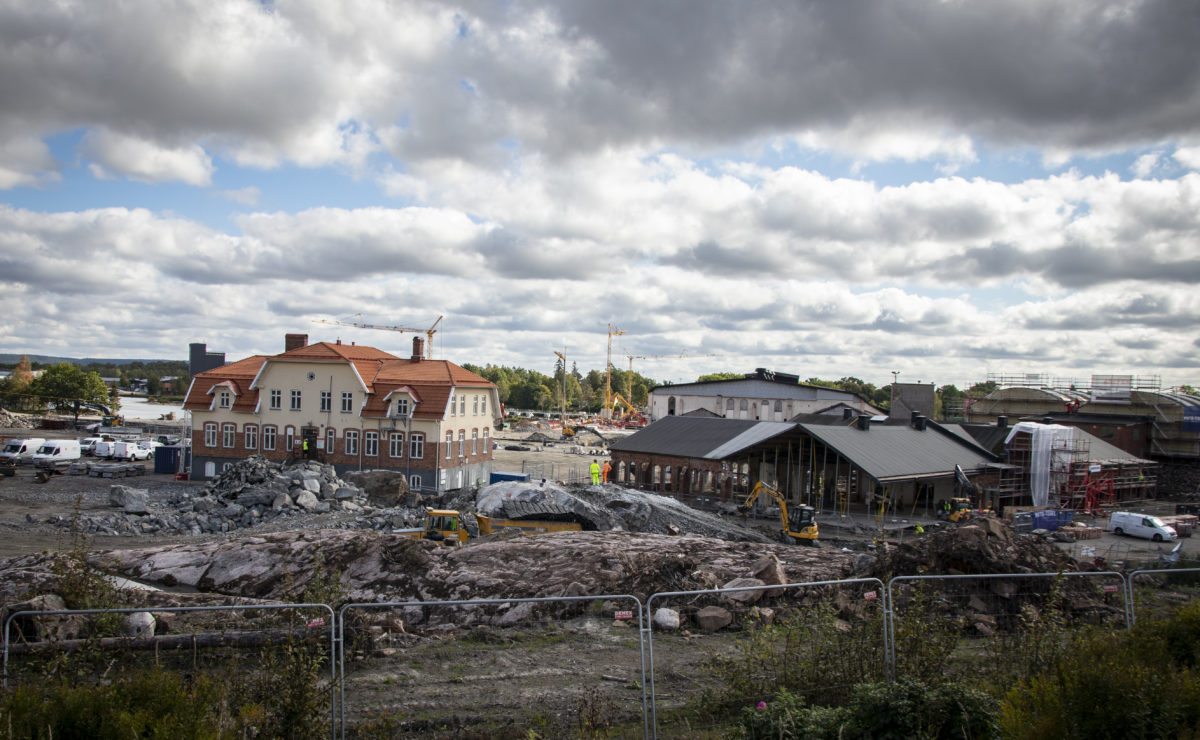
797 526
955 510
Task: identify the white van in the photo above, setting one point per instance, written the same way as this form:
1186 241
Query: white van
104 448
129 451
1140 525
21 450
56 451
87 445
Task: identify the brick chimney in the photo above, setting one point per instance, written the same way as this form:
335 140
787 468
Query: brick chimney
294 341
418 349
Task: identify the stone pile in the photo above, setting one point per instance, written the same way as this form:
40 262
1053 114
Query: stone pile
10 420
248 493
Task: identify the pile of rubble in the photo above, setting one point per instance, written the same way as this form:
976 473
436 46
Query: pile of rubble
10 420
245 494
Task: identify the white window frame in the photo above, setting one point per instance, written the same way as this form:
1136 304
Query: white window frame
350 441
416 446
330 440
487 447
462 404
210 434
225 399
289 434
251 436
270 435
475 404
396 445
453 405
462 442
276 399
483 405
371 443
326 402
228 435
347 402
474 441
401 407
414 482
295 404
449 444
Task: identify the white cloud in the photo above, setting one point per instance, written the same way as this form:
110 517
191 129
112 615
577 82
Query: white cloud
1188 156
146 161
1145 165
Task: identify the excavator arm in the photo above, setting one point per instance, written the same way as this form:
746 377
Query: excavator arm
806 524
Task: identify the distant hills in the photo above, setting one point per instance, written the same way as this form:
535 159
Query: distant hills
11 359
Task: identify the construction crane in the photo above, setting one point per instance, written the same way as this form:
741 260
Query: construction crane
607 411
629 384
362 325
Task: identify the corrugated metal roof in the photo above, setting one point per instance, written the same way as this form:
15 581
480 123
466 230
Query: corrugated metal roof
692 436
895 452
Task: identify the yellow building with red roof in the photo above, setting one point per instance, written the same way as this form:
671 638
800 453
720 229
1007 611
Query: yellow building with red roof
352 406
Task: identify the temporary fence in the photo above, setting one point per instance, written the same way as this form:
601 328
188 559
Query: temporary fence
195 644
556 666
816 638
605 665
1156 592
941 625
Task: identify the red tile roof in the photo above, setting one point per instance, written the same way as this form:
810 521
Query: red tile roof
382 373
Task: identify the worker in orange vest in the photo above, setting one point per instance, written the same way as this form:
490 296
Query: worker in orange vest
604 472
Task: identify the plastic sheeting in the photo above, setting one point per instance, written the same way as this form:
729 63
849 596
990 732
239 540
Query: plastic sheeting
1043 438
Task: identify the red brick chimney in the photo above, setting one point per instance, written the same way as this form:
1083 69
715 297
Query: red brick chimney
294 341
418 349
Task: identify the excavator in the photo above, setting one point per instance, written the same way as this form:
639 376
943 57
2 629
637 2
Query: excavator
797 527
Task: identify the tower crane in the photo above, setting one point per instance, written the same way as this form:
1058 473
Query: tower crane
363 325
681 356
607 411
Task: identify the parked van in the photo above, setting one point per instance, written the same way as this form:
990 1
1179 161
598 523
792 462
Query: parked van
21 450
129 451
104 448
1140 525
56 451
87 445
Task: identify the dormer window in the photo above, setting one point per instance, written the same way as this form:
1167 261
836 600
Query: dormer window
401 407
224 399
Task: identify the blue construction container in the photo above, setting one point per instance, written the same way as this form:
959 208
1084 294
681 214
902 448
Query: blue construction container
166 459
1047 520
499 476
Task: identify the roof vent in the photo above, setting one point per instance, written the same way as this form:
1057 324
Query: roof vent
1002 422
864 422
918 422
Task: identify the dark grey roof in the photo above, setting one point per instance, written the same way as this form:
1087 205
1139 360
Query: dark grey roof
696 436
896 452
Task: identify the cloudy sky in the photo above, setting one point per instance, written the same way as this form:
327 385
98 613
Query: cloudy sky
942 188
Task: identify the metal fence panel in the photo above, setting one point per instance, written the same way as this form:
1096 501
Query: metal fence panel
224 641
737 646
953 625
555 666
1155 593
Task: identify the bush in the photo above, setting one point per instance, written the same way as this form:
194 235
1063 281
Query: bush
878 711
1140 684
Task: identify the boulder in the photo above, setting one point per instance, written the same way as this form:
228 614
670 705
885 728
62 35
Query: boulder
119 495
713 618
307 500
666 618
744 597
137 501
139 624
384 488
769 570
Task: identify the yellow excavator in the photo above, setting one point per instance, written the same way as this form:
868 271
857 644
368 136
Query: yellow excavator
797 526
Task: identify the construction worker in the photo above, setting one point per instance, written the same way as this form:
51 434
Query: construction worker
920 529
305 447
595 472
604 470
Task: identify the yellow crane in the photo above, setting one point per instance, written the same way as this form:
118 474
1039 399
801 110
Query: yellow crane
629 377
363 325
608 399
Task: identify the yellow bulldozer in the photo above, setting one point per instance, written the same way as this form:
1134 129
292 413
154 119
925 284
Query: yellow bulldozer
797 525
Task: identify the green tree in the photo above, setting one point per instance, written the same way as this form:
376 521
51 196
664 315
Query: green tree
720 376
66 385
